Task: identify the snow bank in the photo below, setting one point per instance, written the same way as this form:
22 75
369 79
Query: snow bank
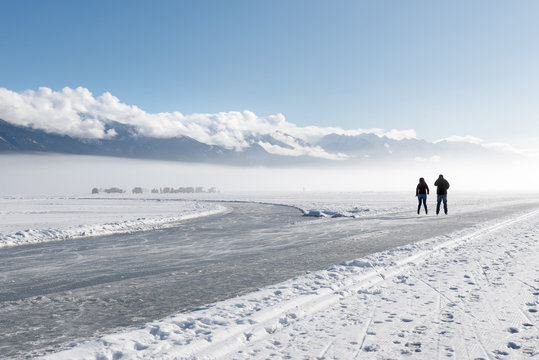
38 220
469 294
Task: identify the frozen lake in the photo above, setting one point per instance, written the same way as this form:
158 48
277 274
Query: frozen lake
57 293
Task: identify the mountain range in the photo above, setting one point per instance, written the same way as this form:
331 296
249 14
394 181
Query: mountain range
128 143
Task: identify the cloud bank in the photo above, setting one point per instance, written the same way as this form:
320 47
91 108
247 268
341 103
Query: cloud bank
497 146
77 113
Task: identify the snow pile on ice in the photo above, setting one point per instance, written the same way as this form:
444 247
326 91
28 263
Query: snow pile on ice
92 217
354 212
470 294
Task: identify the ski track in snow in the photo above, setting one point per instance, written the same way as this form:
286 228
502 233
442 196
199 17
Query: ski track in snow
472 294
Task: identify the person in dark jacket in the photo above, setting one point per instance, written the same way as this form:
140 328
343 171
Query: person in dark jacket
421 191
441 191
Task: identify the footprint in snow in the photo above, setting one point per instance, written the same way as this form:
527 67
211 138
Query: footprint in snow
414 346
446 317
371 348
501 353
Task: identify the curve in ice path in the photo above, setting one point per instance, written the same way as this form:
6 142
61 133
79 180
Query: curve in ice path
221 328
139 224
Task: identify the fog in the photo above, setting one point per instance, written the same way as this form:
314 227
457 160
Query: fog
74 174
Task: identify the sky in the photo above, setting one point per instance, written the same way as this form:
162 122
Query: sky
443 69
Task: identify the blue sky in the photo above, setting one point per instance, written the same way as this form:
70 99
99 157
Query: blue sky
441 68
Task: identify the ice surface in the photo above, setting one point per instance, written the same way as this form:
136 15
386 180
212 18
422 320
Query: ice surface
371 204
469 291
468 294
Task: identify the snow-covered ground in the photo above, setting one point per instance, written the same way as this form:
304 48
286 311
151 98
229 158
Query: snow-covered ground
469 294
369 204
31 219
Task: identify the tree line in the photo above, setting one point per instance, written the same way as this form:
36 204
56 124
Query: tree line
163 190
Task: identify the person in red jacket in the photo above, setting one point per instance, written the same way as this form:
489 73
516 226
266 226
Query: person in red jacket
421 191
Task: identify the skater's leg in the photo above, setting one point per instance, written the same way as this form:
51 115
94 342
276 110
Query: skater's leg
421 198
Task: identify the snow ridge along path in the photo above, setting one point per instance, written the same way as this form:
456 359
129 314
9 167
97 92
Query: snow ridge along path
96 215
470 294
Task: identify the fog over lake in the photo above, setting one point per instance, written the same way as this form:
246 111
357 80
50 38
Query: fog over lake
61 174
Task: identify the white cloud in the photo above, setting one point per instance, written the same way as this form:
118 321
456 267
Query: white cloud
532 153
315 151
502 147
77 113
497 146
467 139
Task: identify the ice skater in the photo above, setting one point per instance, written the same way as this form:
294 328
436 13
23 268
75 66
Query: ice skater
441 192
421 191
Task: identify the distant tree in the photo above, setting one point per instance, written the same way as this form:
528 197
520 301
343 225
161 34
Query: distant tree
155 191
114 190
95 191
137 190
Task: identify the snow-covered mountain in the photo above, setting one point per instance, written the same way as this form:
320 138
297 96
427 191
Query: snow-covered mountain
267 149
74 121
372 146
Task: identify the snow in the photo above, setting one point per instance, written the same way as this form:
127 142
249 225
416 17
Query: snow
34 219
369 204
471 294
29 219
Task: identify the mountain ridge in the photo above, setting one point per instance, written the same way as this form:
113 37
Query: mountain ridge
127 143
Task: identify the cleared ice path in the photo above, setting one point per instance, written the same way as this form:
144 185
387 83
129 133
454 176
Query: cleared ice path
54 294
